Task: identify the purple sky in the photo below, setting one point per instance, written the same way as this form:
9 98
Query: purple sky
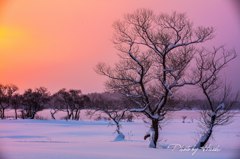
58 43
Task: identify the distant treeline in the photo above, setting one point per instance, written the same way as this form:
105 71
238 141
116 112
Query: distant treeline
72 101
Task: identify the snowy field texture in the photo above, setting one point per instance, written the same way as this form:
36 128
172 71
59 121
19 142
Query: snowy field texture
90 139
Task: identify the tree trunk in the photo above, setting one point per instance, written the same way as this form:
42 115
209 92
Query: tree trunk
71 115
77 114
28 114
53 113
16 115
68 114
204 139
120 136
153 134
23 114
3 113
33 115
118 127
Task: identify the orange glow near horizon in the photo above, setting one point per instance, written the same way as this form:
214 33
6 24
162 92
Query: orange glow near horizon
58 43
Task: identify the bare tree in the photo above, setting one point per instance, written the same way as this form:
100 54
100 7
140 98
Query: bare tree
116 116
55 105
34 101
16 103
59 102
114 106
6 94
77 103
72 101
155 54
219 97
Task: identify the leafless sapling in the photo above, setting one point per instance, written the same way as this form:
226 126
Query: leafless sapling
114 106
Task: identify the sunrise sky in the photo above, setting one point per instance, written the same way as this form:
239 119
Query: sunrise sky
57 43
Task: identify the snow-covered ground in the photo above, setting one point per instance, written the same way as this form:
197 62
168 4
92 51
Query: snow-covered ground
90 139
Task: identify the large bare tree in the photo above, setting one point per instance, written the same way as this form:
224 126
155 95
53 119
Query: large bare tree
155 55
219 96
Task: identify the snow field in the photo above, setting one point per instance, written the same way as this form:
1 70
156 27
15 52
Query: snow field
89 139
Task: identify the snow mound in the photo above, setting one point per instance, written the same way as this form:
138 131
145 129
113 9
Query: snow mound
120 137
